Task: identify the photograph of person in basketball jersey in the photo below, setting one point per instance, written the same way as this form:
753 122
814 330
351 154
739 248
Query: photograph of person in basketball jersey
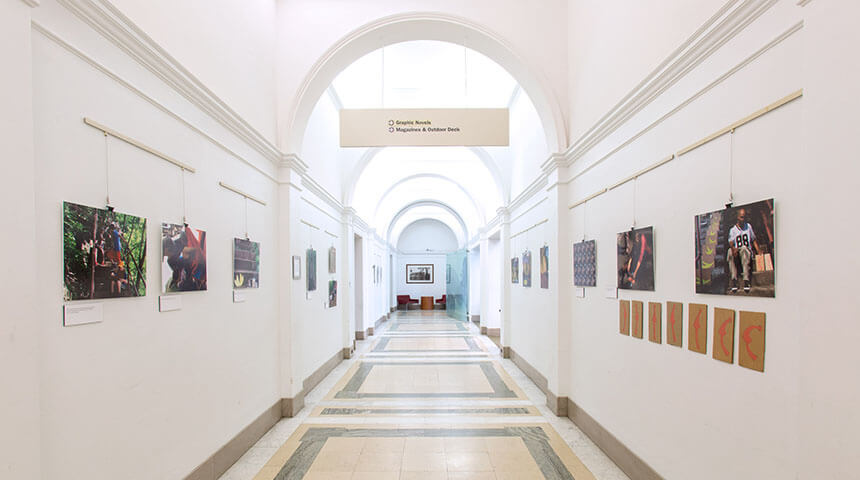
636 259
735 251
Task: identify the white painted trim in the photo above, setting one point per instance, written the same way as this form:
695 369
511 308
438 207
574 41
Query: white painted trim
728 22
152 101
123 33
803 3
32 3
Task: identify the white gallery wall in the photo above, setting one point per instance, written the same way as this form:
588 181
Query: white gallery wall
192 378
417 290
20 455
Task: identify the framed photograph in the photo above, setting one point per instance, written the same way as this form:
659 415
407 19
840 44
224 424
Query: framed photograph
636 259
419 273
544 267
246 263
373 273
332 260
311 262
332 293
104 253
527 268
297 267
735 251
515 270
585 264
183 266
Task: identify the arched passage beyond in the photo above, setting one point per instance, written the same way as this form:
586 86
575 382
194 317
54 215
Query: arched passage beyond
423 26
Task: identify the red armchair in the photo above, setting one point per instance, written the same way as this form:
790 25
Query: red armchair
442 301
405 301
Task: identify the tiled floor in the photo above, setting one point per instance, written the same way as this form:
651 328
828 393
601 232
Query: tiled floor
428 398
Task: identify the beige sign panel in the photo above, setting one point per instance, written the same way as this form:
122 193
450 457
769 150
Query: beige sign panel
636 321
751 341
433 127
724 335
698 329
655 322
674 323
624 317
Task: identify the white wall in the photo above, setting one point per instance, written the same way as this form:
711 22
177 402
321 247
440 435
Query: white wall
474 306
192 378
417 290
229 46
797 419
493 260
19 330
427 235
321 147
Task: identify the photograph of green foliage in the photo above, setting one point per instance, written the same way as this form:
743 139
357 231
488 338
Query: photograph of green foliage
104 253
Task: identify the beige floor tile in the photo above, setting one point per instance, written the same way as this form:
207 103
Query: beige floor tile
379 462
530 475
343 444
425 445
505 444
466 445
424 462
328 476
471 476
384 445
468 462
423 476
512 461
375 475
335 461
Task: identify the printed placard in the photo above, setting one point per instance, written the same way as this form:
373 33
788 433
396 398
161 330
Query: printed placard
698 328
724 335
751 340
432 127
624 317
82 314
655 322
675 323
637 319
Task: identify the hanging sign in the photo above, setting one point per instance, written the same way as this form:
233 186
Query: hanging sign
435 127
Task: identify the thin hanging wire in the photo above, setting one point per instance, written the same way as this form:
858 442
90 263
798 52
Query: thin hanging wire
107 170
732 166
635 181
246 219
184 203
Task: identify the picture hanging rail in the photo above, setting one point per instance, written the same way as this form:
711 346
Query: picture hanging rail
719 133
140 145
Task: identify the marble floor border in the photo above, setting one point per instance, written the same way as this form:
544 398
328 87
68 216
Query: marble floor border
383 342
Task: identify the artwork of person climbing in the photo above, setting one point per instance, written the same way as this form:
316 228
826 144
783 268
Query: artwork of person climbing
104 253
246 263
735 251
183 265
636 259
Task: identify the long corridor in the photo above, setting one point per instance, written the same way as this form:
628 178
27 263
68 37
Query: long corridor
427 398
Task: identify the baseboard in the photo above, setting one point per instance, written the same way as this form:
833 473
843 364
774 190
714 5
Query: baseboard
506 352
627 461
227 455
494 332
347 353
370 331
483 330
381 319
558 405
392 309
359 335
476 319
291 406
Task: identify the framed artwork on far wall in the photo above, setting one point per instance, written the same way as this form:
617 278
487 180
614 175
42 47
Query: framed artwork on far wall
544 267
419 273
527 268
332 260
297 267
585 264
515 270
636 259
312 269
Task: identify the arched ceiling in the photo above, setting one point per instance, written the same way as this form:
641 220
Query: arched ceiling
459 186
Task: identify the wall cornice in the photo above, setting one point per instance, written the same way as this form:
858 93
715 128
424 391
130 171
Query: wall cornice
108 21
728 22
32 3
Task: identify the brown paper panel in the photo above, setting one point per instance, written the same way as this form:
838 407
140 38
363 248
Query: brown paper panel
751 340
655 322
675 323
698 328
724 335
637 319
624 317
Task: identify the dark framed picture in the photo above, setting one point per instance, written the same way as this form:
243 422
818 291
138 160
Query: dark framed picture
297 267
332 293
311 261
585 264
104 253
246 263
527 268
183 266
544 267
419 273
515 270
735 251
332 260
636 259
